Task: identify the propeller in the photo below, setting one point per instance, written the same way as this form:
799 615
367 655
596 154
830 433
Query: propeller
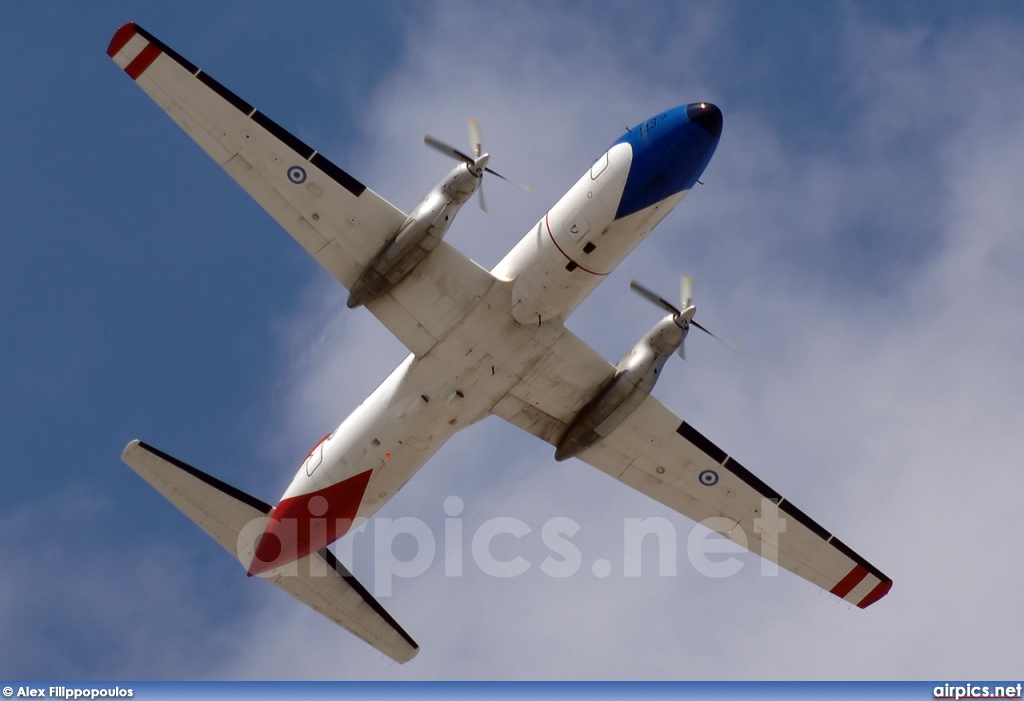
477 162
682 316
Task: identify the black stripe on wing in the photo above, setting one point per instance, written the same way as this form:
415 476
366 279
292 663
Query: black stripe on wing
707 447
332 171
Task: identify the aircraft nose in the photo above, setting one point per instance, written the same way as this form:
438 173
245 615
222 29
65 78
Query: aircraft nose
669 153
706 115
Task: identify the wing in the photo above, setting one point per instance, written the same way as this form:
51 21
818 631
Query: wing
319 580
336 218
659 454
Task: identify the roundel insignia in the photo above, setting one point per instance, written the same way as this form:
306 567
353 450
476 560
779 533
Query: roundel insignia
708 478
297 175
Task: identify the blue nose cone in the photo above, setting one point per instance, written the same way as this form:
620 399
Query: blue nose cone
670 151
706 115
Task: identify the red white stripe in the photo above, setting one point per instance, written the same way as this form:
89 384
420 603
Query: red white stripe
121 38
860 587
144 60
851 580
877 593
132 51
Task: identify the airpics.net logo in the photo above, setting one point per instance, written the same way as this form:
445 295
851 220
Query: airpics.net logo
505 546
978 691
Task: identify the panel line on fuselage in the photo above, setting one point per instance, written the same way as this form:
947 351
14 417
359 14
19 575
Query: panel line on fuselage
576 263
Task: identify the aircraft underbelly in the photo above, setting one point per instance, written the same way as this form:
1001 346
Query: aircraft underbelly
394 432
501 350
483 361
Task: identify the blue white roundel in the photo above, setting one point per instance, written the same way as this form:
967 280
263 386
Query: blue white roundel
297 175
708 478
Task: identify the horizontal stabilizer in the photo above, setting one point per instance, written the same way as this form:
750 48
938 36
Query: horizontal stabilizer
235 519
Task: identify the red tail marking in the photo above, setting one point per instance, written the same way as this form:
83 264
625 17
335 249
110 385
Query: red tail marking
306 523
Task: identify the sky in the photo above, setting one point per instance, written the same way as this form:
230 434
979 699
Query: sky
858 234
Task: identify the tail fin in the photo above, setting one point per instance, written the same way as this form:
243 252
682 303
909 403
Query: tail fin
319 580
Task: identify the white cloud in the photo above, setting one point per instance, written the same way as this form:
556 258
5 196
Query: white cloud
63 605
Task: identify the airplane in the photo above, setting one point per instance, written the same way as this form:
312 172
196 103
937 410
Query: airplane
481 343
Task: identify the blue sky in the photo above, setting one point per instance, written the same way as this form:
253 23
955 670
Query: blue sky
858 236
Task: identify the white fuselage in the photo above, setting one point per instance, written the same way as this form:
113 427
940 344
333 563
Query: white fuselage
497 350
577 242
500 341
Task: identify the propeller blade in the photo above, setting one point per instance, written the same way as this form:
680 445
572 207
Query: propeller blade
477 162
447 150
735 349
686 289
525 188
480 192
652 297
475 138
684 318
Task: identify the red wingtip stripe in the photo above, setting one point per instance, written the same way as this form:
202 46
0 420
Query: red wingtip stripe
847 583
121 37
143 61
877 593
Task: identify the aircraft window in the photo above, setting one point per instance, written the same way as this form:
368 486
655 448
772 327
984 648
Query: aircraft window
599 166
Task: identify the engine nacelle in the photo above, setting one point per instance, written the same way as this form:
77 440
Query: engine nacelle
635 377
422 230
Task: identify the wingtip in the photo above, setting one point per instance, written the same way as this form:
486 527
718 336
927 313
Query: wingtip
877 593
129 449
121 37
